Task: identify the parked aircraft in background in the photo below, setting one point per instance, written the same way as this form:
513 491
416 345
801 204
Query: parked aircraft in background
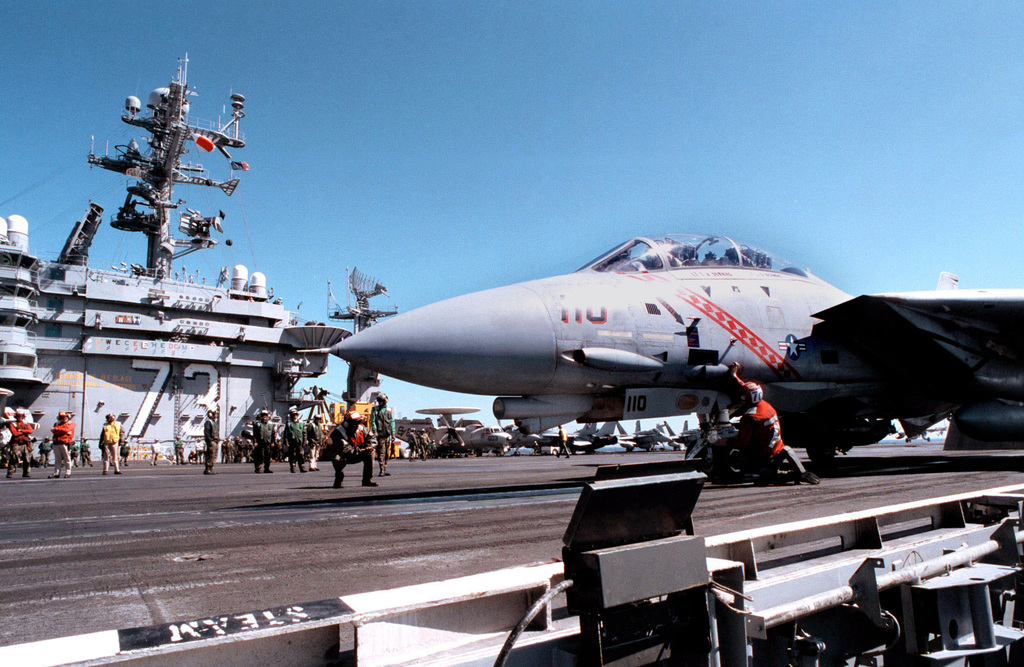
648 329
934 432
661 434
591 438
468 434
534 441
586 440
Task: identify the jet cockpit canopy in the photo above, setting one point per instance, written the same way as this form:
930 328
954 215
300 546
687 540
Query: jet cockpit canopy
665 252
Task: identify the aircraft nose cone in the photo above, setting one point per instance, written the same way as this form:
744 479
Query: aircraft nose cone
493 342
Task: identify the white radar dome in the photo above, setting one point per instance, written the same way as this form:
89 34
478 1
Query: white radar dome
239 276
132 105
258 284
17 231
157 96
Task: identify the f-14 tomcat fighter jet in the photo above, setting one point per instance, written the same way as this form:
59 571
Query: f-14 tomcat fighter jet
649 328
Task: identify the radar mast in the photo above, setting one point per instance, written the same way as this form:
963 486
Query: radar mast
150 201
363 383
362 288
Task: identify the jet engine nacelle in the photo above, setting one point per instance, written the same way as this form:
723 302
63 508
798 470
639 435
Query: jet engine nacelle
991 421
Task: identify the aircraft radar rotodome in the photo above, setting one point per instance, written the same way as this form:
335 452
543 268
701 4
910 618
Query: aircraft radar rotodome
447 411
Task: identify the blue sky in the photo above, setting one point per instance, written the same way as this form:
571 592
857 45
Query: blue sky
449 147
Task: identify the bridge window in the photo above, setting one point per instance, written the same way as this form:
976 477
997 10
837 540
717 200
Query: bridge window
22 360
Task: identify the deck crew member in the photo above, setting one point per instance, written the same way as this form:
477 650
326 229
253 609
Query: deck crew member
294 436
45 447
21 444
63 438
351 443
110 441
760 438
382 426
314 441
210 439
263 435
85 453
413 439
563 443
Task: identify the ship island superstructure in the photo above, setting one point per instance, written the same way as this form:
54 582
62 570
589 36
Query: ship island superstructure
155 349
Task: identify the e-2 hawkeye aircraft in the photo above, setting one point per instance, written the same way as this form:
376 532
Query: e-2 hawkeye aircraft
648 329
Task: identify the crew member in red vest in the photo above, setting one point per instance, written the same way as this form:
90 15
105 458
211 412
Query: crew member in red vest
760 438
20 445
63 437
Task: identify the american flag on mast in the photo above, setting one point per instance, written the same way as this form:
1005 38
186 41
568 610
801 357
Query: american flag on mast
240 166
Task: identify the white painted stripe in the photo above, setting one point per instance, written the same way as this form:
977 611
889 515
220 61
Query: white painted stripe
796 526
62 650
473 586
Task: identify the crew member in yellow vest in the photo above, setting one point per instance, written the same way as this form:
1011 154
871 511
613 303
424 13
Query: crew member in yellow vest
110 438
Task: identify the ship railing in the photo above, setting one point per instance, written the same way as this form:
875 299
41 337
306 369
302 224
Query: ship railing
18 258
8 332
24 361
17 303
19 274
127 273
213 126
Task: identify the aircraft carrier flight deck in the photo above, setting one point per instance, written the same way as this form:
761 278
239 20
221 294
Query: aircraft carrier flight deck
163 543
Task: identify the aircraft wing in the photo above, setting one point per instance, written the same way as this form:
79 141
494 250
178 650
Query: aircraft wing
939 339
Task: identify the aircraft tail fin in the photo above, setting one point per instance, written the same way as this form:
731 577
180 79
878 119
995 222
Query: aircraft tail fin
948 281
668 429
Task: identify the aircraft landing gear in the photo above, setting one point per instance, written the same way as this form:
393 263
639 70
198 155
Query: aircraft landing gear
822 456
